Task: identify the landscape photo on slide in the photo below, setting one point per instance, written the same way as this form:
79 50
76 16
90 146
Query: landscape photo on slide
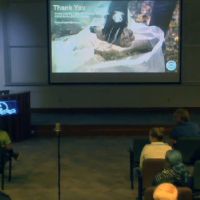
115 36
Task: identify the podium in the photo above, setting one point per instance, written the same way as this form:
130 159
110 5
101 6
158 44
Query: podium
18 125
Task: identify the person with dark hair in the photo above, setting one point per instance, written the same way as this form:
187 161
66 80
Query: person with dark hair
175 171
184 127
157 148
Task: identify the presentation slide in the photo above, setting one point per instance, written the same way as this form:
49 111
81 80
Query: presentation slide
114 41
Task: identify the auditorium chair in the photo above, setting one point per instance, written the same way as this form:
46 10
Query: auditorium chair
196 179
4 158
4 196
134 152
184 193
150 168
188 146
196 175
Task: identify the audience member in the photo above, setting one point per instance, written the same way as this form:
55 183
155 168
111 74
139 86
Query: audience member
157 148
175 171
5 142
184 127
165 191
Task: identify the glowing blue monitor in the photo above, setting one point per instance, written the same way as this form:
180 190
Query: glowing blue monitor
8 107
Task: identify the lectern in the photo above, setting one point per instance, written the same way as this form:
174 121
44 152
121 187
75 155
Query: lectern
15 115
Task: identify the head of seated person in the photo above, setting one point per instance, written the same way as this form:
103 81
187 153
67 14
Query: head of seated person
181 115
184 126
157 148
174 161
174 172
156 134
165 191
173 158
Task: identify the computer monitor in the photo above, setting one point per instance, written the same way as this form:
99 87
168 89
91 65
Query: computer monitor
8 107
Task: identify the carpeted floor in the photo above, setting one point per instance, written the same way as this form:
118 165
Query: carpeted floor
92 168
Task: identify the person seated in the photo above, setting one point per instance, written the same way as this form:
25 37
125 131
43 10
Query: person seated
5 142
157 148
165 191
184 127
175 171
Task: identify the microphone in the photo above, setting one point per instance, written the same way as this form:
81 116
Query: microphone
57 128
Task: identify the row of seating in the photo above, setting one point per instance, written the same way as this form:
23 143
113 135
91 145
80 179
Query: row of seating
151 167
135 150
187 146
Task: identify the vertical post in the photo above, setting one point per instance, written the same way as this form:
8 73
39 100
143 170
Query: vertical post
58 131
131 168
2 157
9 167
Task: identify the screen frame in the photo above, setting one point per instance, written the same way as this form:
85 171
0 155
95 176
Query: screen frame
113 78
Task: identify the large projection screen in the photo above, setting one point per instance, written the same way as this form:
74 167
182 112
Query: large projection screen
117 41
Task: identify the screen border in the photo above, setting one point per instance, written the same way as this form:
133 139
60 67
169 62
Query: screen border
113 78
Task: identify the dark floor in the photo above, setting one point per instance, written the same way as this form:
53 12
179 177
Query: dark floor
95 168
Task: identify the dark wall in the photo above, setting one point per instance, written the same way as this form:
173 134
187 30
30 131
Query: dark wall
24 65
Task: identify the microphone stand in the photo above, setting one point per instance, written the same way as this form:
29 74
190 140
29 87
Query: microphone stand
58 132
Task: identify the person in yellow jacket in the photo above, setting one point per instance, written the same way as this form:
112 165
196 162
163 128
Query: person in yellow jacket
6 143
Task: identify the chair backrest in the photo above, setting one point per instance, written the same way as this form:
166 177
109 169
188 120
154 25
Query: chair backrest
150 168
196 175
138 145
2 155
4 196
188 146
184 193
